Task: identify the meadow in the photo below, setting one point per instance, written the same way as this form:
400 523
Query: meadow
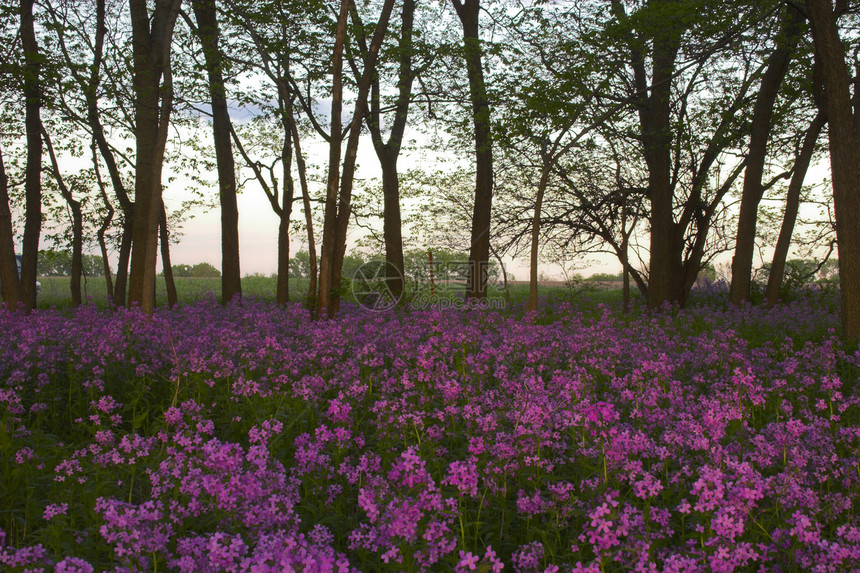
55 290
578 438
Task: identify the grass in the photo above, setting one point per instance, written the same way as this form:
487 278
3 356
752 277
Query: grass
55 290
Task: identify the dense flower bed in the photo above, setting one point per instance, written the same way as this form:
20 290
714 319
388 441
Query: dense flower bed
250 438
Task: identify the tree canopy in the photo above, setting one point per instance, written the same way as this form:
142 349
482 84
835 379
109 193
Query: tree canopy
661 132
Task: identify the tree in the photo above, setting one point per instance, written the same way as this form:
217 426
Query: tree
300 267
340 182
58 263
542 98
654 124
200 270
844 165
792 206
284 45
208 33
106 221
33 124
164 243
90 49
479 254
389 151
76 270
677 47
10 284
666 276
153 101
9 280
790 31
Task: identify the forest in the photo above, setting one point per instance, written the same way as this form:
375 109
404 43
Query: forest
664 133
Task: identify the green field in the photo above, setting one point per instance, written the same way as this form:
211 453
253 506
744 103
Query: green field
55 291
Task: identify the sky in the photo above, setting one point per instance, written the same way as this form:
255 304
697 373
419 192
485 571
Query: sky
258 231
258 226
200 236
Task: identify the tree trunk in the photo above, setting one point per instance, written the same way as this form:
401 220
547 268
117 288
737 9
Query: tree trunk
102 232
392 226
33 176
625 248
388 152
287 193
167 267
151 40
146 214
790 30
326 280
77 252
531 304
625 290
306 204
504 275
121 284
351 154
666 273
10 284
792 205
282 295
90 88
77 223
843 158
118 290
337 219
665 268
479 254
207 29
105 261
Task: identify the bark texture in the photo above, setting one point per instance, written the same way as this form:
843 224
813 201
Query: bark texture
479 254
166 265
151 39
328 283
388 151
10 285
339 192
791 29
792 205
844 167
33 174
209 33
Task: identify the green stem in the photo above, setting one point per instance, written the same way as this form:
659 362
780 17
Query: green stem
131 485
481 507
603 456
462 527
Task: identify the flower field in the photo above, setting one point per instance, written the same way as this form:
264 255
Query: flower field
250 438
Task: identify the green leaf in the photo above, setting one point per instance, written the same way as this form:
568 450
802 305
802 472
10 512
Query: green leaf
140 419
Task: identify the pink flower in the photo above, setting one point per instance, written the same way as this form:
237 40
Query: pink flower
464 476
73 565
54 509
467 561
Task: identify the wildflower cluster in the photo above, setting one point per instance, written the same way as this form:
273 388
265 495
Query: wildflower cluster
252 438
